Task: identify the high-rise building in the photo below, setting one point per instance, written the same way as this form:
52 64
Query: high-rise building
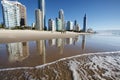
41 6
23 19
51 25
76 26
69 26
58 24
75 22
84 23
11 14
61 16
38 23
14 13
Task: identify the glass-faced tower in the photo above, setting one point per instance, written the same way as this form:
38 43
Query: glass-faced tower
41 6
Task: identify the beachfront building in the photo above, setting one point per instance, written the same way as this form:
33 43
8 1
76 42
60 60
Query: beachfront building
23 17
61 16
41 6
69 26
76 26
58 24
51 25
84 23
11 15
39 21
33 25
14 13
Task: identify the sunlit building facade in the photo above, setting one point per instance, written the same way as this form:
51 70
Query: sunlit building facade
61 16
41 6
14 13
58 24
51 25
69 26
38 17
11 14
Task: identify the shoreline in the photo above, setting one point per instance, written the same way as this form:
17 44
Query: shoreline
93 64
62 59
7 36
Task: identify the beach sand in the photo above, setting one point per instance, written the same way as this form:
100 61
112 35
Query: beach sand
29 35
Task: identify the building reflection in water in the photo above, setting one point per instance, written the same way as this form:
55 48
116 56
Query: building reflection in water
75 40
60 44
83 42
52 42
41 48
69 41
17 51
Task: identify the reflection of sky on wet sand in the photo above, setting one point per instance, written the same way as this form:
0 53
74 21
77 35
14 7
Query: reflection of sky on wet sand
33 53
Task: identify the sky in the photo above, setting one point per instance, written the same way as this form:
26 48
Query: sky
101 14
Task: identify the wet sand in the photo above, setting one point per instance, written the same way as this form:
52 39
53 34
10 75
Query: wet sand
92 66
29 35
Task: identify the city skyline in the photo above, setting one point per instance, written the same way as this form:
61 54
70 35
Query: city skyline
102 14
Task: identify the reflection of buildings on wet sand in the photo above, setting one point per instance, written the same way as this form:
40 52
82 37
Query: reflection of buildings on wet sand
18 51
52 42
41 48
60 44
69 41
83 42
75 40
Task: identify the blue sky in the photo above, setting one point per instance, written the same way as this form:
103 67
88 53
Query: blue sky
101 14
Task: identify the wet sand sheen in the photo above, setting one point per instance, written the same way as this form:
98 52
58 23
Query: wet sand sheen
92 66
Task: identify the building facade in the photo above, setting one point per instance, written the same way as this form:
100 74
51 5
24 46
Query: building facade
14 13
61 16
69 26
84 23
38 17
51 25
11 15
41 6
23 17
58 24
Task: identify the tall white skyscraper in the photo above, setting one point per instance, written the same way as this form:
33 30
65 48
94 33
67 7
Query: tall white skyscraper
41 6
51 25
61 16
38 23
14 13
11 15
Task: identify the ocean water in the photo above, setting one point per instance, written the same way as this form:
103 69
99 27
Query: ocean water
84 57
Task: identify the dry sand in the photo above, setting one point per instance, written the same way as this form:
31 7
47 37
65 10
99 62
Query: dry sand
25 35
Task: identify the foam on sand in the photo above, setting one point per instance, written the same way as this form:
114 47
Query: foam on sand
97 66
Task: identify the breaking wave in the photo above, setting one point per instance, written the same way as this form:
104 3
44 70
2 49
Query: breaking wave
90 66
